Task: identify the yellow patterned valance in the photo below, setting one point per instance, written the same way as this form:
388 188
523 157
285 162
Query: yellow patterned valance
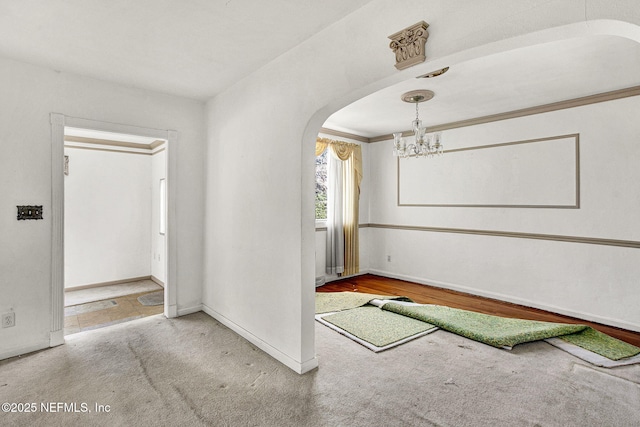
343 150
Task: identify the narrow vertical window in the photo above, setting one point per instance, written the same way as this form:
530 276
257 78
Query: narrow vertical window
163 206
321 186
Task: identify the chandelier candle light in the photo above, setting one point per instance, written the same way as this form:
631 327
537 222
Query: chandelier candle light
426 145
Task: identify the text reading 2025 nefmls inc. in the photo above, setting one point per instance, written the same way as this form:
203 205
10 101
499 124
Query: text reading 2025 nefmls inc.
55 407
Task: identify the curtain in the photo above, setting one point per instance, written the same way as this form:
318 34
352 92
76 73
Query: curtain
351 196
335 228
343 196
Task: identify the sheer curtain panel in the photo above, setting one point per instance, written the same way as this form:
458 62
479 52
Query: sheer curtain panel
343 200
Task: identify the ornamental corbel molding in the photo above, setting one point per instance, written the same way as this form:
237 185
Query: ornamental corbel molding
408 45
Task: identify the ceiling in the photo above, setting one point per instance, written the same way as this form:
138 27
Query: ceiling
191 48
509 81
197 48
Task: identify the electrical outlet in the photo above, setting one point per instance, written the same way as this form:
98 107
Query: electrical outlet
9 319
388 258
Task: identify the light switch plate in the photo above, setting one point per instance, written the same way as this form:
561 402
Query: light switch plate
29 212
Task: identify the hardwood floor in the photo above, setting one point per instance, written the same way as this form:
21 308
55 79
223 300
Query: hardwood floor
422 294
101 312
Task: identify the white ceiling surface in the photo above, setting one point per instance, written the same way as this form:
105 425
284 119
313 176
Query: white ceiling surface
504 82
196 48
192 48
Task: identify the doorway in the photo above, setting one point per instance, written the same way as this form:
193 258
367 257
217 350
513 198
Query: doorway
113 231
114 234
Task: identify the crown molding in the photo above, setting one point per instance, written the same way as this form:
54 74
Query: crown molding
344 135
155 144
111 150
109 142
555 106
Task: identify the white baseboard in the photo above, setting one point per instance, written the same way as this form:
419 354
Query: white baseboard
156 280
170 311
56 338
299 367
23 350
113 282
498 296
333 277
189 310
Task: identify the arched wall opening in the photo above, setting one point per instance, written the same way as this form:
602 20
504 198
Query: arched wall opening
264 216
549 36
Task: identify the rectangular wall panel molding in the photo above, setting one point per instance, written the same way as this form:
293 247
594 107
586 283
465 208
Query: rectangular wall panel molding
535 173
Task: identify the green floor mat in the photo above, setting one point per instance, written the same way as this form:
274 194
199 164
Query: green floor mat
327 302
378 327
493 330
505 332
602 344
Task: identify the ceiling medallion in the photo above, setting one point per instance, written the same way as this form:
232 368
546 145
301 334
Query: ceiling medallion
417 96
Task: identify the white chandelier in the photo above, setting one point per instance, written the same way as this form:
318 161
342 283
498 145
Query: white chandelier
426 144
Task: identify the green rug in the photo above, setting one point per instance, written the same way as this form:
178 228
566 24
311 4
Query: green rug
328 302
378 327
505 332
602 344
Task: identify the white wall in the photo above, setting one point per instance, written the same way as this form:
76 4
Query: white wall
594 282
107 219
158 240
29 94
259 190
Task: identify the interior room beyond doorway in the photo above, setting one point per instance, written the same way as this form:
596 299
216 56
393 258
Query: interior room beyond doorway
114 228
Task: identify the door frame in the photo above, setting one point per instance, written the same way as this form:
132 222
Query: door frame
58 123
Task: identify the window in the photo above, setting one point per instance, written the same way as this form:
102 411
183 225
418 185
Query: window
163 206
321 186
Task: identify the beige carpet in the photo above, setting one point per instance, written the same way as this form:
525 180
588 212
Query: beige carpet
106 292
192 371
